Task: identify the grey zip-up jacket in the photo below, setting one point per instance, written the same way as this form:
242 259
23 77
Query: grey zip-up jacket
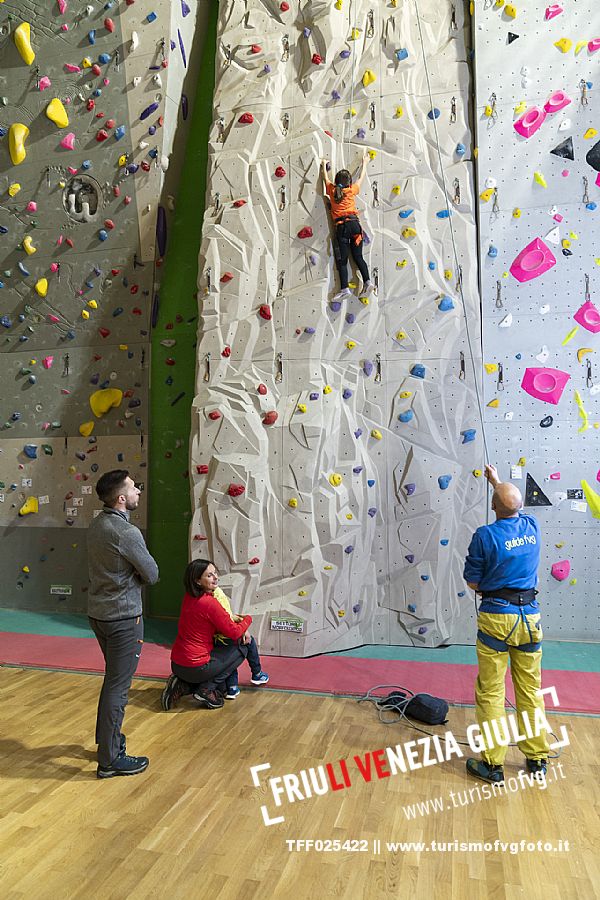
119 564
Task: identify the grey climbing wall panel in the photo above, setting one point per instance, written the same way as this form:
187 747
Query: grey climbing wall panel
78 244
336 448
529 325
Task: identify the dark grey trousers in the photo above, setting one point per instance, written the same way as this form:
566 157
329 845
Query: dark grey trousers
121 644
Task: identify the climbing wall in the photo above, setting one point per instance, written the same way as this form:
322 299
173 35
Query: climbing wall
336 446
89 107
537 68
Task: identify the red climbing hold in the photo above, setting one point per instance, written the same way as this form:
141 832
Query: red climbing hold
169 361
246 119
101 136
136 311
116 190
255 48
202 470
262 389
317 59
104 332
69 242
115 271
226 276
305 232
226 352
96 70
234 490
329 134
108 223
109 25
214 415
265 312
110 123
254 561
200 537
99 115
145 165
126 200
284 7
280 172
134 288
270 418
238 203
91 104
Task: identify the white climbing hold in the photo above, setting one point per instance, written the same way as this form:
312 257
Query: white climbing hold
545 309
553 235
135 42
506 321
543 355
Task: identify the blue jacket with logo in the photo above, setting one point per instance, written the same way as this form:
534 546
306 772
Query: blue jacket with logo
505 554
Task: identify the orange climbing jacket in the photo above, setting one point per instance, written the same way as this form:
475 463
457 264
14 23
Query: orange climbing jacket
345 210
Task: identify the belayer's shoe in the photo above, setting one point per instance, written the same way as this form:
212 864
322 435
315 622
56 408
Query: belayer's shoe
174 690
209 699
537 765
232 693
123 765
480 769
260 678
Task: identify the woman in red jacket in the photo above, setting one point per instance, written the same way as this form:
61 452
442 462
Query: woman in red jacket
198 666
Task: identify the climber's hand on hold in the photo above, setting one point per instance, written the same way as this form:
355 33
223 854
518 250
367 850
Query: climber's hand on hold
491 473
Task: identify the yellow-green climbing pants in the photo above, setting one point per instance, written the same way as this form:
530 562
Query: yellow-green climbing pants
526 677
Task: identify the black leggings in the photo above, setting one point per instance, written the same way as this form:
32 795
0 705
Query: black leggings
345 234
223 661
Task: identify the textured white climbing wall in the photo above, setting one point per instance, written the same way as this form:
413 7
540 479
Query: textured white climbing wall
541 61
333 446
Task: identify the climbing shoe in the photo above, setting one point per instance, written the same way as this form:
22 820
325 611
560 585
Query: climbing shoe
480 769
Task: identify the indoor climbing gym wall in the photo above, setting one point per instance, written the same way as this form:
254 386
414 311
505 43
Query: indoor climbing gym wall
90 100
537 68
336 446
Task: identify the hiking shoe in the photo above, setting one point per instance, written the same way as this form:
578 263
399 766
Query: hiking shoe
232 693
123 765
209 699
174 690
537 765
480 769
345 292
261 678
123 746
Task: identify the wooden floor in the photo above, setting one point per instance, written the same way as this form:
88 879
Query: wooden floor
191 826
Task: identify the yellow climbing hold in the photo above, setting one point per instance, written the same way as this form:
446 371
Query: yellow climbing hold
592 498
354 34
573 235
123 346
396 189
369 77
573 580
522 462
499 3
399 112
22 39
338 4
516 213
56 112
570 335
122 161
350 345
105 399
349 516
494 404
409 232
564 44
405 394
539 179
41 287
579 45
14 189
302 593
335 479
559 545
86 62
400 335
341 613
402 264
301 407
351 111
364 301
566 243
376 434
92 304
327 389
488 111
30 506
487 194
25 569
520 107
510 10
490 367
583 351
372 154
448 274
86 429
584 416
292 502
28 245
327 568
477 473
590 133
17 135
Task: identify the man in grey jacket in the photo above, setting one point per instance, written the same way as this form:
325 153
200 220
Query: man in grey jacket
119 564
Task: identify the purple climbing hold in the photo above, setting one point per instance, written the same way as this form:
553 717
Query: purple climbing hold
346 393
372 511
410 557
335 305
172 43
335 95
358 433
306 31
266 68
350 318
117 311
313 396
367 367
361 133
133 404
348 549
410 489
95 378
356 608
80 455
312 259
182 48
344 54
423 629
149 110
357 470
132 168
309 329
152 130
366 238
185 10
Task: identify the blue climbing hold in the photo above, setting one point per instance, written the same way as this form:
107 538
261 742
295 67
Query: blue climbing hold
461 593
444 214
460 149
3 229
411 607
418 370
591 206
424 577
358 433
406 416
431 266
433 113
86 164
444 542
117 311
151 17
370 482
401 54
104 59
94 467
405 213
102 234
120 132
492 251
5 321
468 435
348 549
23 269
30 451
92 36
444 481
445 304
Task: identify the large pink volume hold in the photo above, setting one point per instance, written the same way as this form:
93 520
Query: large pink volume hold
545 384
533 261
588 316
530 121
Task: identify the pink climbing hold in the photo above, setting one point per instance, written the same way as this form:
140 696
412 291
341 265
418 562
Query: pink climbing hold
588 317
44 83
71 170
68 142
62 6
280 172
598 475
47 362
560 570
53 319
556 101
554 10
305 232
530 121
545 384
225 277
31 206
555 476
70 67
594 45
535 259
246 119
284 7
270 418
262 389
234 490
